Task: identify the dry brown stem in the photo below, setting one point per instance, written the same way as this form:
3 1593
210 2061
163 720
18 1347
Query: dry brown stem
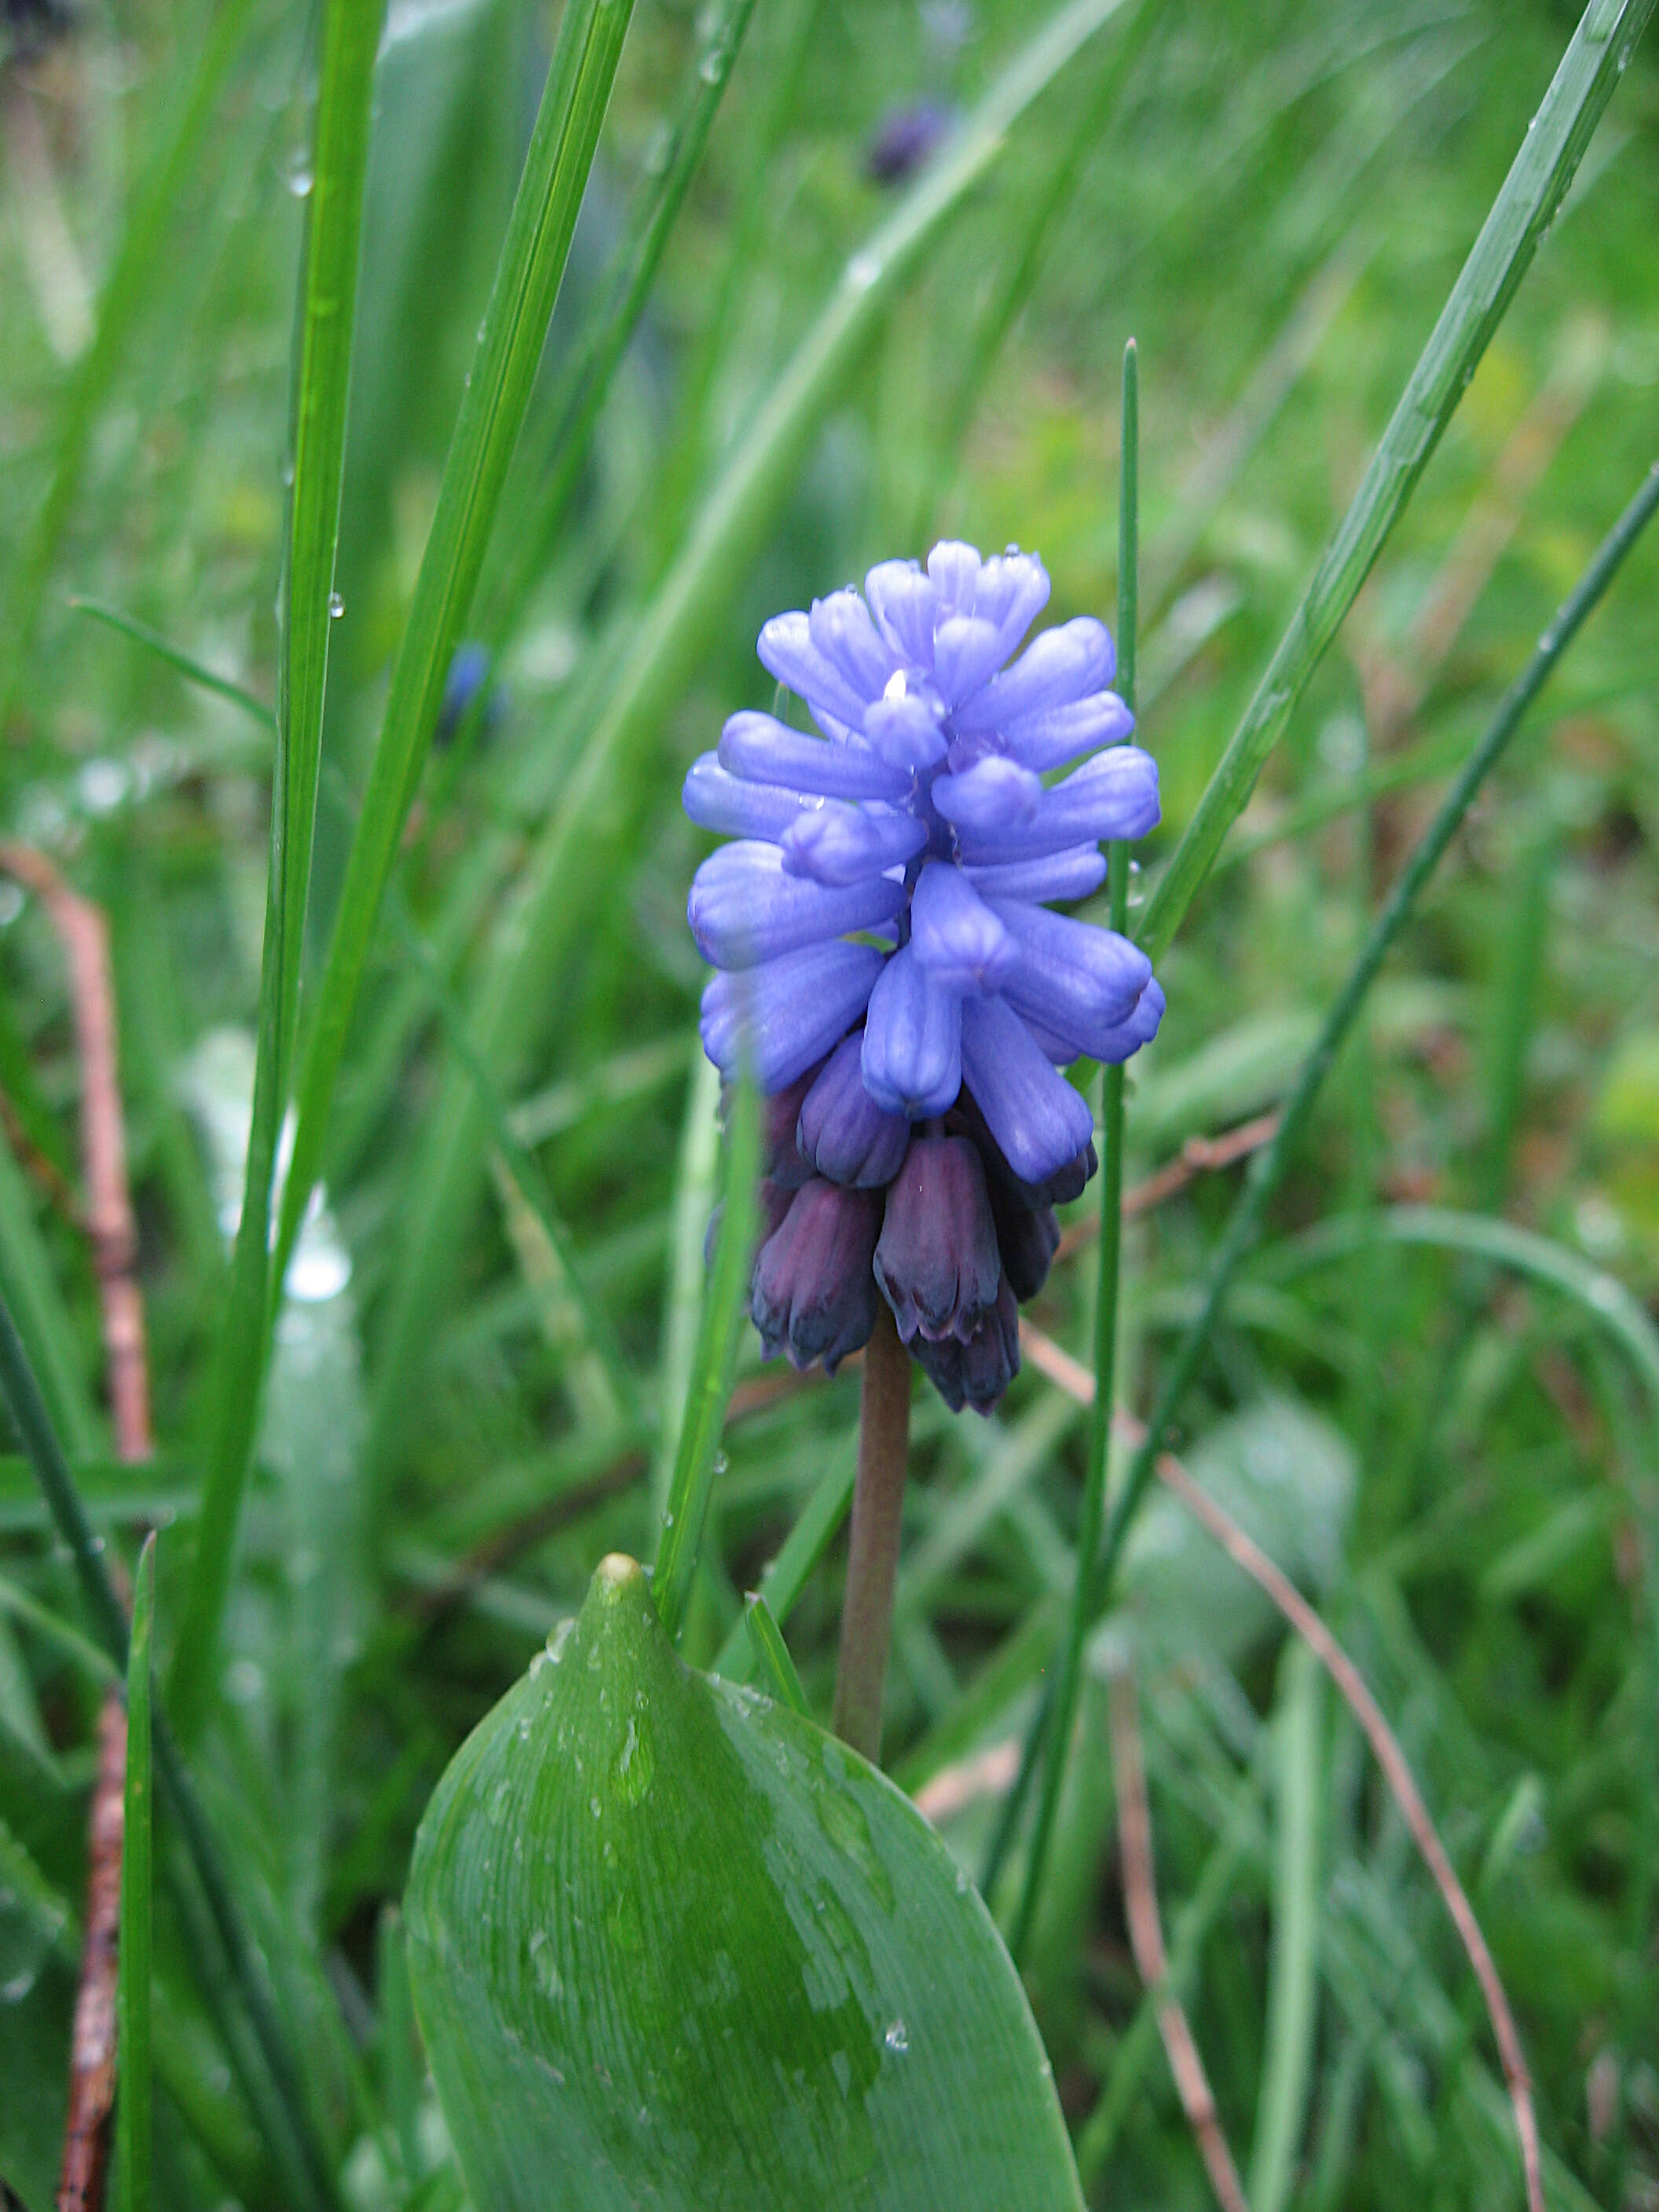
1134 1828
1071 1375
107 1214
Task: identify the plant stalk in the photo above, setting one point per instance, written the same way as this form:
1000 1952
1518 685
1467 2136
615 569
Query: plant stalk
866 1615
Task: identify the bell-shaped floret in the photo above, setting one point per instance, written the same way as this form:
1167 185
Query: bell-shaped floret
937 1260
1038 1120
956 936
745 908
763 749
912 1054
813 1296
842 1133
787 1014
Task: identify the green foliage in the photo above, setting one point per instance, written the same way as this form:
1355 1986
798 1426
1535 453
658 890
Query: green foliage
487 1350
670 1938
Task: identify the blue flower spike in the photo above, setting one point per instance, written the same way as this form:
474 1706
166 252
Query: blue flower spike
890 957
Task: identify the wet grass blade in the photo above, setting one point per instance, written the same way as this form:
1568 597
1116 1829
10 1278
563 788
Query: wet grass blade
773 1664
1069 1658
1268 1166
312 2172
510 349
573 414
725 1310
803 1546
564 874
1523 211
145 241
132 1992
322 373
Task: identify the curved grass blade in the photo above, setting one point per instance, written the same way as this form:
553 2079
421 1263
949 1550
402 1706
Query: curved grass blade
133 2116
1062 1708
566 869
322 372
724 1312
1269 1165
145 239
1603 1297
195 671
510 343
1523 211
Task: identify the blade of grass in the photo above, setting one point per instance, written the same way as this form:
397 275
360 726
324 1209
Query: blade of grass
312 2172
725 1310
1068 1658
1025 263
562 880
1533 190
194 670
1268 1166
555 461
1293 1973
688 1275
510 349
132 1992
305 610
773 1664
147 238
803 1546
524 1170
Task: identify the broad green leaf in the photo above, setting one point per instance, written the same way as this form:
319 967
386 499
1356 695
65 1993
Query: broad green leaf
672 1945
1288 1478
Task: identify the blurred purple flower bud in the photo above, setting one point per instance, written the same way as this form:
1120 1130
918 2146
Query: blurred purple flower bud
842 1134
937 1261
814 1295
904 139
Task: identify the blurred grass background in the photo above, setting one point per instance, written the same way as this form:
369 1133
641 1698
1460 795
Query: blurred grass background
1274 200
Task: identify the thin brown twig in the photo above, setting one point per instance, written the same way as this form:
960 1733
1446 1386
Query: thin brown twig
1071 1377
1198 1156
108 1218
1134 1829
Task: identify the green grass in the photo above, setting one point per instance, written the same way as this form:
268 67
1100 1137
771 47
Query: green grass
1397 357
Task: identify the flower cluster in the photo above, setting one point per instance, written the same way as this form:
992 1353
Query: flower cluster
891 963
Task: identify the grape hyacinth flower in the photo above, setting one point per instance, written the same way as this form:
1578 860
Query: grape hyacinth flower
891 960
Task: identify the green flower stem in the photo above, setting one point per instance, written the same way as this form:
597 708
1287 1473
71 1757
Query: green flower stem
866 1613
1057 1735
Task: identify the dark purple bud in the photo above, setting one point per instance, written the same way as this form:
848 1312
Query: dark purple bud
842 1134
1067 1182
976 1373
779 1111
771 1203
1028 1237
814 1295
938 1262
